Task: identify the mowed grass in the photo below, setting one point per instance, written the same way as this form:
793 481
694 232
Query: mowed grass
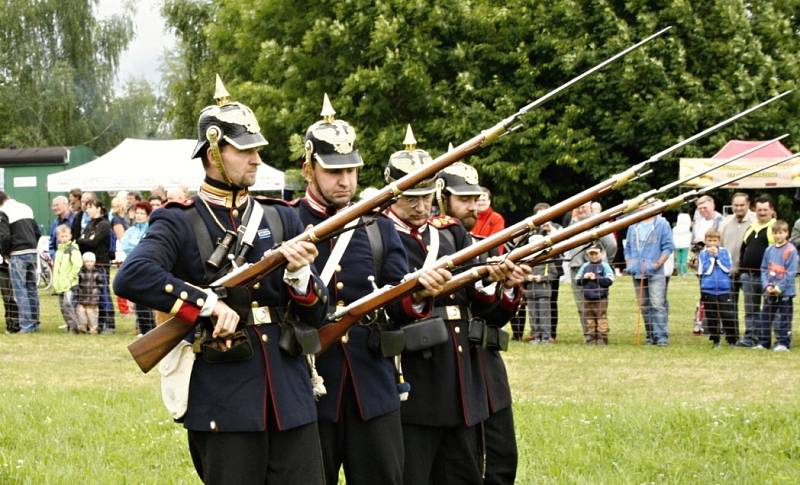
76 409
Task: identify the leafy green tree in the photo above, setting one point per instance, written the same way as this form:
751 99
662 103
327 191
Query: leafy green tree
451 68
57 76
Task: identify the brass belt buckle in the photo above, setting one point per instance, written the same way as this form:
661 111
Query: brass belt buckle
453 312
261 315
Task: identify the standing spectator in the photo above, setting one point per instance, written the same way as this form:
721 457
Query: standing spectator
131 199
155 201
160 192
95 238
545 230
119 224
177 194
648 244
732 231
756 239
9 305
64 216
778 270
145 320
682 237
489 221
75 200
90 283
705 218
537 295
67 265
596 276
714 269
19 235
81 219
577 257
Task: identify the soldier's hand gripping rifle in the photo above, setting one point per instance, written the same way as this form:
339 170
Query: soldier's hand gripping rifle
148 350
346 317
647 212
590 229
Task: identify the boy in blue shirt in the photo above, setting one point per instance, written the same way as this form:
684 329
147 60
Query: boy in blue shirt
714 270
595 276
778 269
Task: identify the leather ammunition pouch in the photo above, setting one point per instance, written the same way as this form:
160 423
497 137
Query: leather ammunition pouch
424 334
478 331
496 339
298 338
216 351
384 340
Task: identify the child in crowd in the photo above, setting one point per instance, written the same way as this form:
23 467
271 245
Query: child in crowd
66 267
538 292
778 270
682 237
714 270
595 276
90 279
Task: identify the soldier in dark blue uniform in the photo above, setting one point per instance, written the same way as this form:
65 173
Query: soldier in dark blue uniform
458 195
251 415
448 394
359 418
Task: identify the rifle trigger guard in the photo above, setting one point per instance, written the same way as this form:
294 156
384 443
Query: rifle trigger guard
313 237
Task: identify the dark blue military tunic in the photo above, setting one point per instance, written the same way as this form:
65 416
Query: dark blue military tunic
447 385
165 272
373 377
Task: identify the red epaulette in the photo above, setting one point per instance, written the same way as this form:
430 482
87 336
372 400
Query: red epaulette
295 202
442 221
181 204
270 200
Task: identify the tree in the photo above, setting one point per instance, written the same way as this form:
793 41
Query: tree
57 73
451 68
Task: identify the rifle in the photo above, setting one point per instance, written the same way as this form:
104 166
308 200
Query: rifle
348 316
589 225
148 350
645 213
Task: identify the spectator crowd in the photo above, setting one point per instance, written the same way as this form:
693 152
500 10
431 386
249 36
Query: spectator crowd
749 254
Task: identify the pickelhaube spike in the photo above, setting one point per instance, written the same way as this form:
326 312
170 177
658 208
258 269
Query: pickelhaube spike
327 109
221 95
410 142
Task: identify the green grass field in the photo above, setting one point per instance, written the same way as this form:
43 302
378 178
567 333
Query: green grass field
76 409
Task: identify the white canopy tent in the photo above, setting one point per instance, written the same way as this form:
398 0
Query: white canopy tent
144 164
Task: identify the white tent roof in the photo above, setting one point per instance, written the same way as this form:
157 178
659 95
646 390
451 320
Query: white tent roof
144 164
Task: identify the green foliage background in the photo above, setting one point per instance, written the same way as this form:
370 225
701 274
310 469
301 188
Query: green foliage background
452 68
57 77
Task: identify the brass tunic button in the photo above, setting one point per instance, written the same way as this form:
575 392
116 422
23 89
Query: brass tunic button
184 295
338 268
264 338
255 304
201 302
339 285
452 296
257 286
235 213
460 349
213 425
345 339
169 288
457 330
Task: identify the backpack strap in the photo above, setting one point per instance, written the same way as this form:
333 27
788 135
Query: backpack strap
274 222
376 244
203 239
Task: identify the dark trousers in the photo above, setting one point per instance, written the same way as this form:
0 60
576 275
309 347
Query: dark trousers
441 455
145 320
735 289
501 448
720 317
9 304
553 308
370 451
106 319
776 315
268 457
